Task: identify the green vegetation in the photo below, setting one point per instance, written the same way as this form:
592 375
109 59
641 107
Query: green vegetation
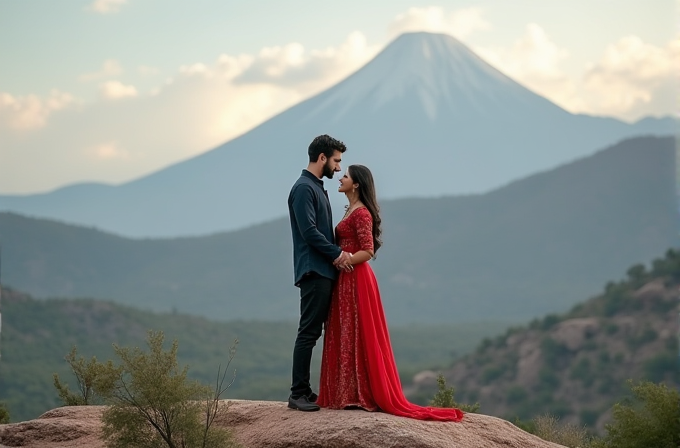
153 403
91 377
575 366
548 427
4 413
650 419
37 333
444 398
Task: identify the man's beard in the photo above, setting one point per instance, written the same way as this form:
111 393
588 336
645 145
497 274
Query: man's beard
328 171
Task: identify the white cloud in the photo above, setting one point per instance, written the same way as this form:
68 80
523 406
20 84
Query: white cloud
106 6
634 78
232 66
307 72
115 90
534 60
109 69
31 111
198 107
116 141
434 19
195 69
108 151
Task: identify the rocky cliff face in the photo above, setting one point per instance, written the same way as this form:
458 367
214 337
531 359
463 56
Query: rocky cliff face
259 424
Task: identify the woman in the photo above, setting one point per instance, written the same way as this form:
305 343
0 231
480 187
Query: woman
357 368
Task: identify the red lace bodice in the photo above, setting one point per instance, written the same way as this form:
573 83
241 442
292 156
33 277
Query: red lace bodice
355 232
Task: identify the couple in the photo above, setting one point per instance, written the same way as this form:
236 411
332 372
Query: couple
339 292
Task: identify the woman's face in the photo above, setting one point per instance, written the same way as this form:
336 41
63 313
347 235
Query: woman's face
346 183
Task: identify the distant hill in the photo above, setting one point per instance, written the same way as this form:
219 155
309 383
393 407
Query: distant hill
533 247
427 115
37 334
575 365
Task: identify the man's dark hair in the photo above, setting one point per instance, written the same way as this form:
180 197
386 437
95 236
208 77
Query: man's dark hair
324 144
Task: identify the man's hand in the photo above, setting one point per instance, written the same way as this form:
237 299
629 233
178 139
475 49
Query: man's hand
344 262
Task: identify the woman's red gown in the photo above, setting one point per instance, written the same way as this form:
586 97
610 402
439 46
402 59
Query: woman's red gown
357 367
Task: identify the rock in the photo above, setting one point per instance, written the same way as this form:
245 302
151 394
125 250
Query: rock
425 378
574 332
529 362
270 424
652 290
69 426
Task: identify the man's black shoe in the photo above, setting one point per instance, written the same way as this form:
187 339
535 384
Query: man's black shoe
312 397
302 404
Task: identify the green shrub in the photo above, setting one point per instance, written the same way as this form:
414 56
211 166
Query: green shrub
617 298
4 413
637 275
444 398
669 266
651 419
91 377
525 425
154 404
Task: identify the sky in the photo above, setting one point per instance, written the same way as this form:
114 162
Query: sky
111 90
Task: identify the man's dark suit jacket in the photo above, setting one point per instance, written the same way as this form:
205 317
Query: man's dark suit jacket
311 222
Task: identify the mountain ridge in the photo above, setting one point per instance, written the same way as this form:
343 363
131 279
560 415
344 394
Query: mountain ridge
557 235
471 146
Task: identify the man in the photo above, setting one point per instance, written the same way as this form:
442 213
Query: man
315 259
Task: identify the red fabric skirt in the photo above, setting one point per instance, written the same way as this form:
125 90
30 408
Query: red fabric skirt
358 367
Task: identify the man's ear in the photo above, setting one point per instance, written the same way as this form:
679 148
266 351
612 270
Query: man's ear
322 158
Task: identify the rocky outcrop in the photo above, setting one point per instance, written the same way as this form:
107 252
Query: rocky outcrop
260 424
575 365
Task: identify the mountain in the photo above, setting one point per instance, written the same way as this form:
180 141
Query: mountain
535 246
427 115
575 365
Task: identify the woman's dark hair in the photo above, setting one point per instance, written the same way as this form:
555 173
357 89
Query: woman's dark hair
362 176
324 144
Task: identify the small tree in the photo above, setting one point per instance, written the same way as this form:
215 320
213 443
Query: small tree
4 414
651 419
444 398
90 375
154 404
